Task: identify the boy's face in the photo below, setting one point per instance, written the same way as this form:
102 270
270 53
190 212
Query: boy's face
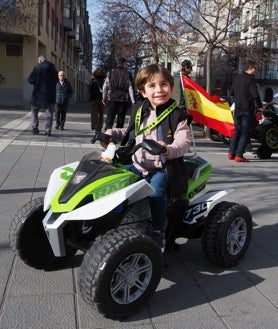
157 90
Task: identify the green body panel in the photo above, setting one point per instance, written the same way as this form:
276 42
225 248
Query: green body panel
122 178
96 189
195 185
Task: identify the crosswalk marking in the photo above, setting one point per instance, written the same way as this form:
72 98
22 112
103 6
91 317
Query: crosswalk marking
11 130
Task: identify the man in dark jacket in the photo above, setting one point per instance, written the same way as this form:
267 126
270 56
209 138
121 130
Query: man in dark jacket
246 97
63 94
44 77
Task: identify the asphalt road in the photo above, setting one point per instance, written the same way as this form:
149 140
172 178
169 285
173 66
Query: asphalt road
193 293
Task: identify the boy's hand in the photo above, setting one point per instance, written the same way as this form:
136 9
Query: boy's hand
166 147
104 144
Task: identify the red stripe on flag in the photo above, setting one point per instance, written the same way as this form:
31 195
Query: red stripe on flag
224 128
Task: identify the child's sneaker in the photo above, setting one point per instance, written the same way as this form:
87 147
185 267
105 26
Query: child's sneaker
159 238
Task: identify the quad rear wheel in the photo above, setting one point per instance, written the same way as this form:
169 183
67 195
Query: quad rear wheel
120 272
227 233
28 238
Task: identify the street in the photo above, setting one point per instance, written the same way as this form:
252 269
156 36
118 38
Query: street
193 293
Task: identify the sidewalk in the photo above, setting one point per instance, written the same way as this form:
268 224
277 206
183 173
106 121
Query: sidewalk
193 293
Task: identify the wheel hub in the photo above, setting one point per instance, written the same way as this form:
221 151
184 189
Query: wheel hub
272 138
131 278
236 236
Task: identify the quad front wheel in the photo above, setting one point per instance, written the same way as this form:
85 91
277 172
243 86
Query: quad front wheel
120 272
28 238
227 233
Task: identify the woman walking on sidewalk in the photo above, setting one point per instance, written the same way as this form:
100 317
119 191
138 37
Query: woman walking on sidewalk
95 93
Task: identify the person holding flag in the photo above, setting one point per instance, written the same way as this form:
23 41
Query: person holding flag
186 69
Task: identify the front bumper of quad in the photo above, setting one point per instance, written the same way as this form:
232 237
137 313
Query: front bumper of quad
54 223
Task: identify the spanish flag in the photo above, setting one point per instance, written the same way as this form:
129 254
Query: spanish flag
207 110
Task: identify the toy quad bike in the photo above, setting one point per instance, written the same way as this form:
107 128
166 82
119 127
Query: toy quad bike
102 209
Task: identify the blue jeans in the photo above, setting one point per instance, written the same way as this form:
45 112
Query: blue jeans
243 126
158 199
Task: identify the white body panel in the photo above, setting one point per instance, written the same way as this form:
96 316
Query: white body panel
56 181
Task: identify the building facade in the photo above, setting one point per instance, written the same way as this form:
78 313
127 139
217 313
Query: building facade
58 29
250 31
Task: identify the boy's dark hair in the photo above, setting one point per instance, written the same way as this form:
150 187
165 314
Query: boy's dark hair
147 72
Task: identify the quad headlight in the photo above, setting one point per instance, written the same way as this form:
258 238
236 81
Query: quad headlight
78 177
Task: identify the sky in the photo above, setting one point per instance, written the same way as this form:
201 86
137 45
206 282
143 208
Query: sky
93 7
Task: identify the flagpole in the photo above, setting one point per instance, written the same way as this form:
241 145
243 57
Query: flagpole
191 128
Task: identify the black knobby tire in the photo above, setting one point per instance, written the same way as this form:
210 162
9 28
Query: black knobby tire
28 238
263 152
227 233
269 137
226 140
212 134
120 272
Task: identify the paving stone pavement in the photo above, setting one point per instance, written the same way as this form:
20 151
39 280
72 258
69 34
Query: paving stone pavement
193 293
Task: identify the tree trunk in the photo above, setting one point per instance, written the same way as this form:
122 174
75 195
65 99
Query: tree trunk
208 73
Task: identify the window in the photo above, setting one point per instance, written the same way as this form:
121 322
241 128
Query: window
47 17
7 6
14 50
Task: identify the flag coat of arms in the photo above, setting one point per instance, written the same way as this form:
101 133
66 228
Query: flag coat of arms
207 110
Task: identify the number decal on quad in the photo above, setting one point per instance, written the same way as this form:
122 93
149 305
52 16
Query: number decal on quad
194 212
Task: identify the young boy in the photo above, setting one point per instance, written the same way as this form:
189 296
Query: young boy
163 172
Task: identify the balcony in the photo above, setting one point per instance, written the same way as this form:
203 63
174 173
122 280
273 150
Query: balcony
71 34
68 24
77 46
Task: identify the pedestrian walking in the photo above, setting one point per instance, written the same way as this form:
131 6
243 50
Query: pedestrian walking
95 97
44 78
117 94
186 69
63 94
246 97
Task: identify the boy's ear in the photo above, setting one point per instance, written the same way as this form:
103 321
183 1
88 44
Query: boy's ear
142 92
